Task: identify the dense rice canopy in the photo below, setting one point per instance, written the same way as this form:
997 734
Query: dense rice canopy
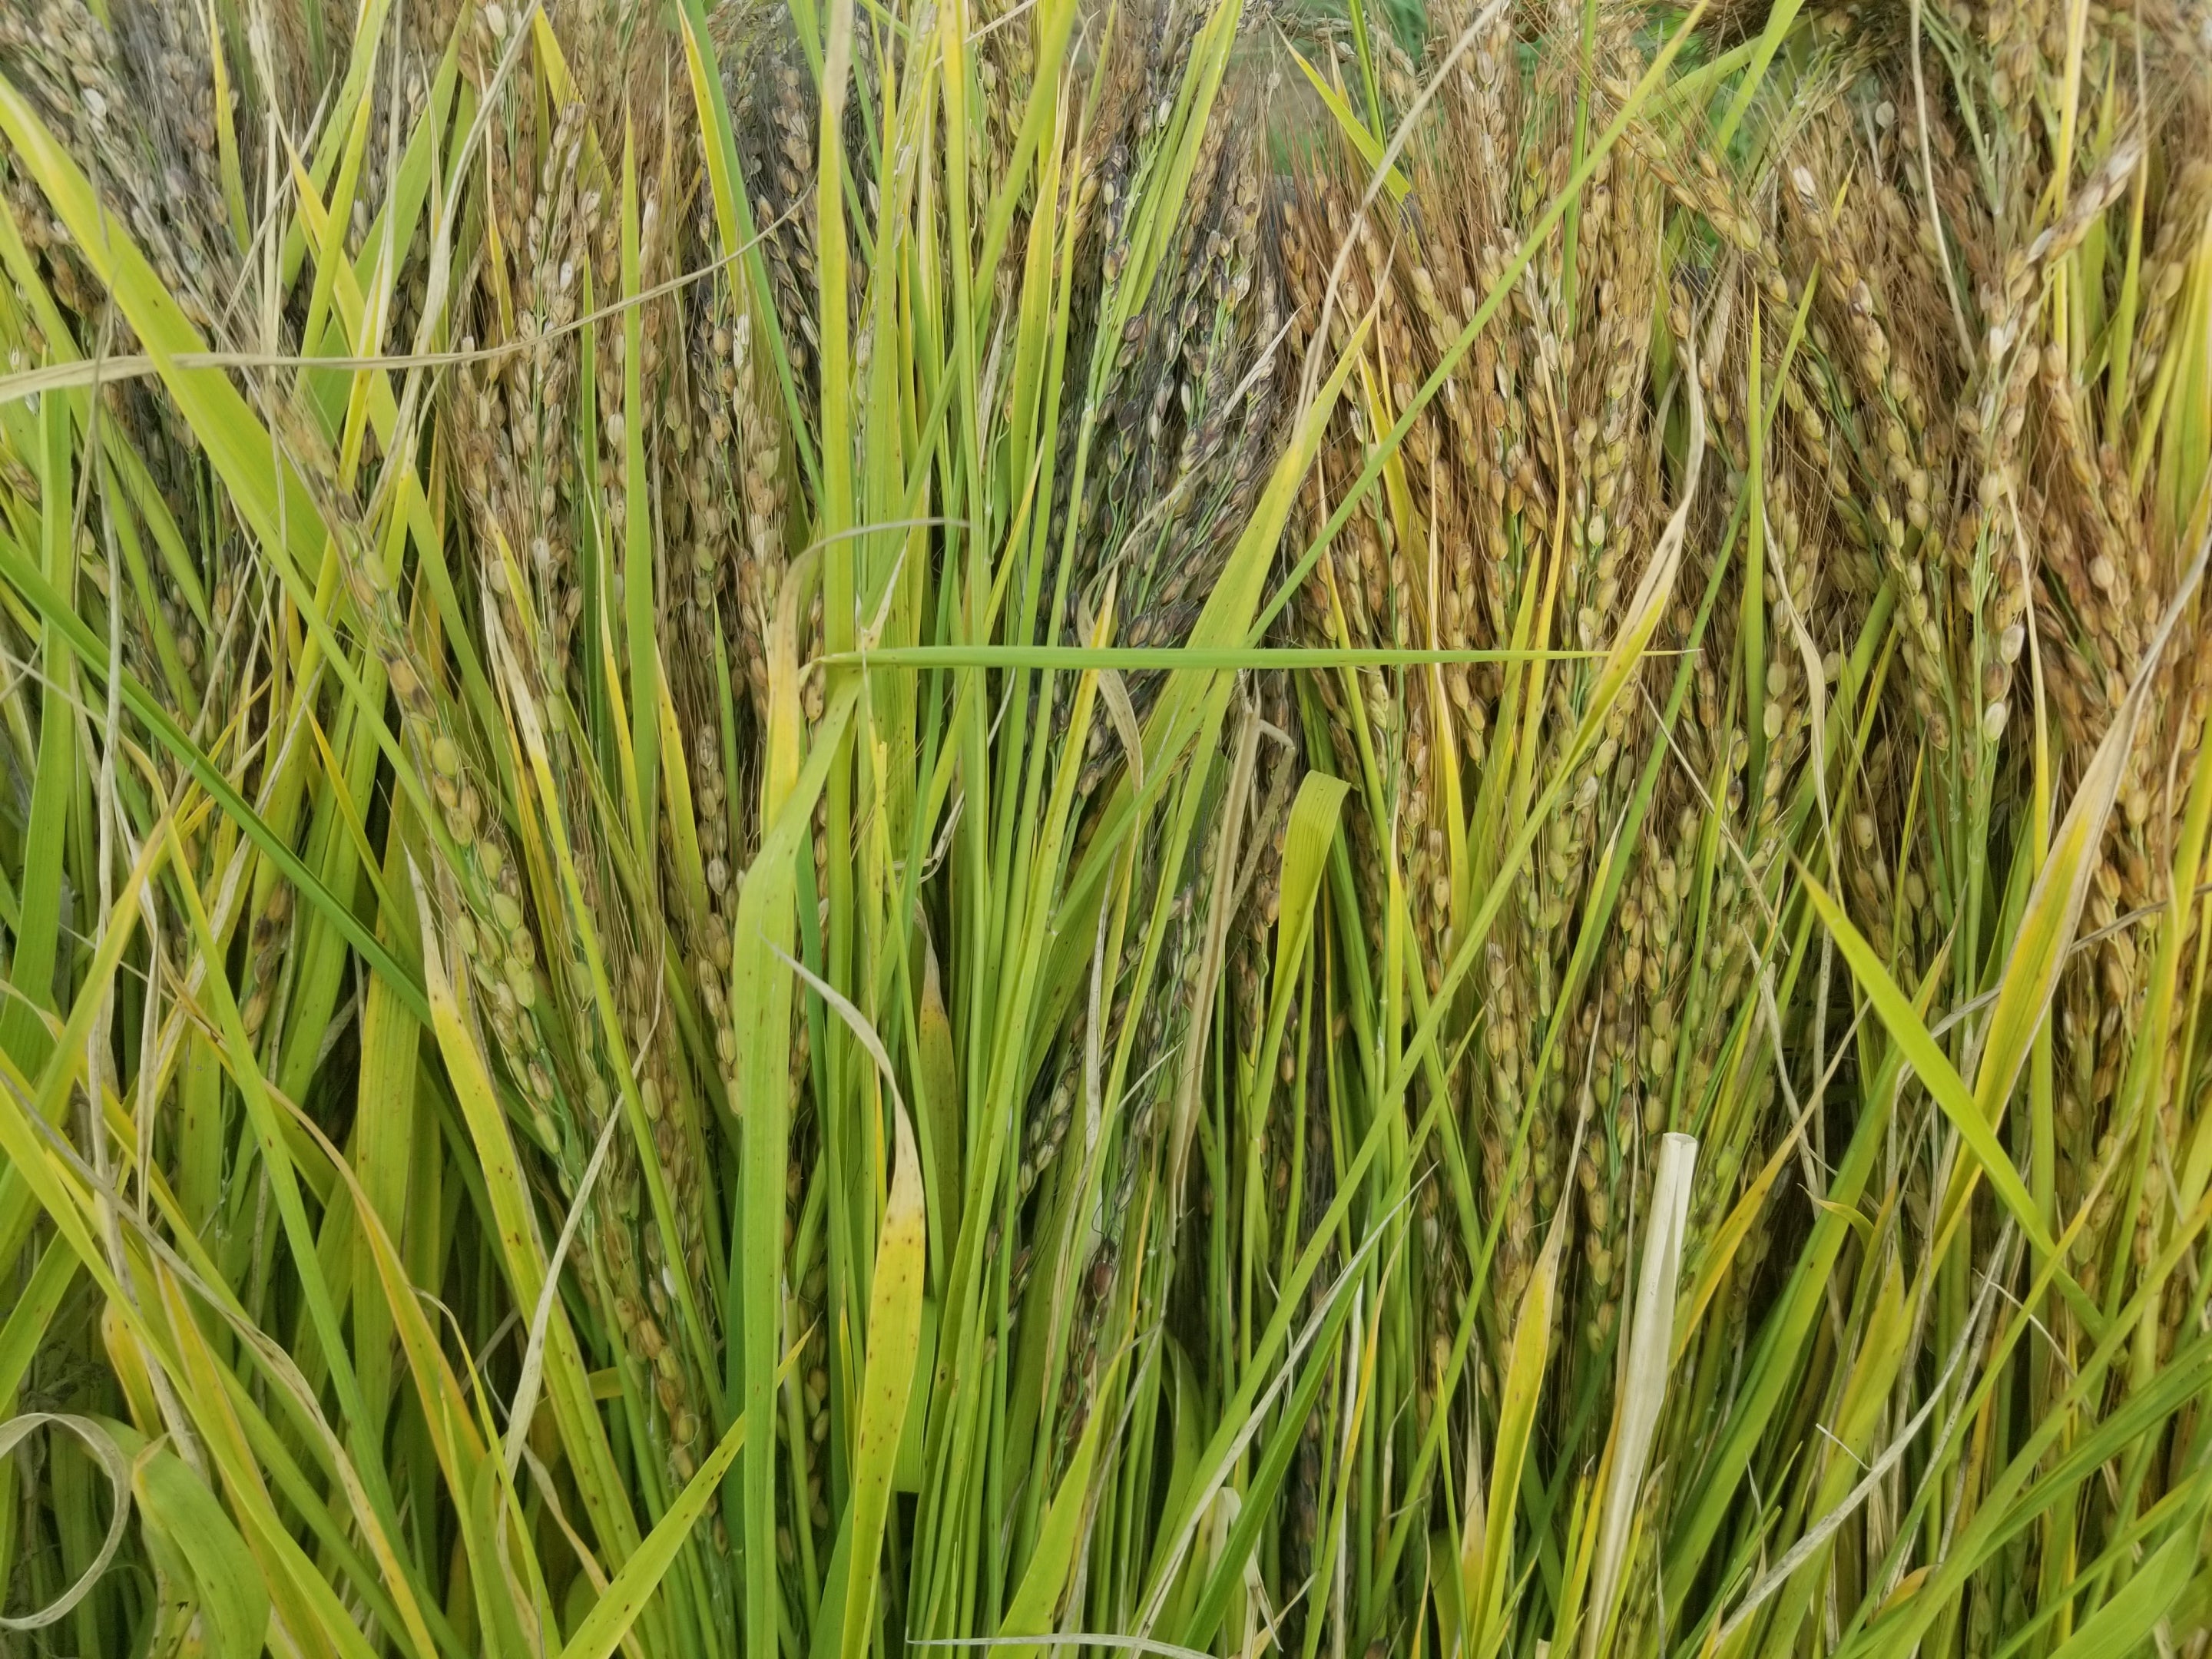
1158 824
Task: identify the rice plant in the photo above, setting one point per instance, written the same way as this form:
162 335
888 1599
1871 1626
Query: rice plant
1165 827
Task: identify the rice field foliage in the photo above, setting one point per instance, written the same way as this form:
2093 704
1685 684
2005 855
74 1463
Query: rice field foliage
884 825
